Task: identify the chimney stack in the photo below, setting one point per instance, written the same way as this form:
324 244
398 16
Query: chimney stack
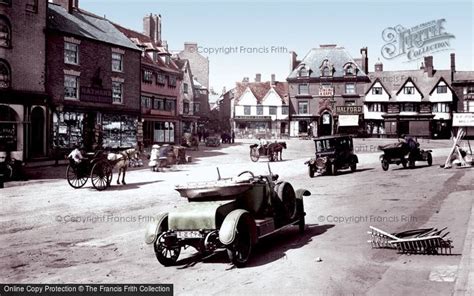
152 27
293 61
258 77
429 66
273 79
365 59
245 79
453 62
378 66
69 5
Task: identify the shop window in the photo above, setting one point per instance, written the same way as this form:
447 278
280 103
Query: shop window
350 88
117 92
67 129
259 110
5 74
377 90
302 107
272 110
71 53
117 62
246 110
409 90
71 87
303 89
119 131
5 32
8 129
164 132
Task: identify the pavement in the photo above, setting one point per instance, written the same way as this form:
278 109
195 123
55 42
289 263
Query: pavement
465 280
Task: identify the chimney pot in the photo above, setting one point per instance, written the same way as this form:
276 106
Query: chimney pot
429 69
273 79
258 77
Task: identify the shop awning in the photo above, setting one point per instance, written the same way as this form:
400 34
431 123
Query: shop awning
348 120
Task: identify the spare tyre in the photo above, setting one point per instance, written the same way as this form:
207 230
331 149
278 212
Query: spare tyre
287 197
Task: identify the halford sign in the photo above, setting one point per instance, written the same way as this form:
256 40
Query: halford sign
349 109
417 41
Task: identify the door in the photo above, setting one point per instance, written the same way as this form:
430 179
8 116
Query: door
325 124
403 128
37 132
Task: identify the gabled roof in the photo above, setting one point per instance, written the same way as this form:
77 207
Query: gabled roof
84 24
260 89
337 57
372 85
393 81
144 41
439 80
409 79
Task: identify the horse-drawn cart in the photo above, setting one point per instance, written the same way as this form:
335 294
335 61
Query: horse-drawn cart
93 165
271 150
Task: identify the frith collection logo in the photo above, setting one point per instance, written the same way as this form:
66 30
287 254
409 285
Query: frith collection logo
415 42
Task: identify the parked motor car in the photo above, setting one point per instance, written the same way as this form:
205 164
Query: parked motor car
333 153
232 213
213 141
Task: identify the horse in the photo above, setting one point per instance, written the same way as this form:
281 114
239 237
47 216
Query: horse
121 160
274 149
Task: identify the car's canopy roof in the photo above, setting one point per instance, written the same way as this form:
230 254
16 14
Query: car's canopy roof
332 137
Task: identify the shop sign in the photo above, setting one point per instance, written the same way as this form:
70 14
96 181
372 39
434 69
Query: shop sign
349 110
463 119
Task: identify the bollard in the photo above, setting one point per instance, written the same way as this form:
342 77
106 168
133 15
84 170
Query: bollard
1 180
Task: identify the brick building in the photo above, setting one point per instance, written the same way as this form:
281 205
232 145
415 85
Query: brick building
23 100
160 84
94 80
326 90
199 63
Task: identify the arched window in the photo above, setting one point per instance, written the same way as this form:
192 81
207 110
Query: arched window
5 75
5 32
349 70
326 72
303 72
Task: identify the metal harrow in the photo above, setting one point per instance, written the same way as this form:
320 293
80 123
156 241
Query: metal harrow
418 241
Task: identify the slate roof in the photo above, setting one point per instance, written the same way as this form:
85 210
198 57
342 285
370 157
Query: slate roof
260 89
463 76
84 24
393 81
144 41
336 56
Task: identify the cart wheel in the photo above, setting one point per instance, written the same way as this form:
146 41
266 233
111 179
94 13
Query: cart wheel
167 256
254 154
101 175
430 159
311 171
385 164
75 178
239 251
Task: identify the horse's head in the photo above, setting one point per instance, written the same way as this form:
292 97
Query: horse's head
132 153
283 144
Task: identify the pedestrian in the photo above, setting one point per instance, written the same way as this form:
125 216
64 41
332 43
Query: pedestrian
233 137
200 135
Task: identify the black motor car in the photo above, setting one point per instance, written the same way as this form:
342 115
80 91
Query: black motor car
333 153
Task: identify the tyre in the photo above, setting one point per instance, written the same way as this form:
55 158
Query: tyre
429 159
254 154
101 175
239 251
353 167
286 194
333 169
75 178
385 164
166 255
404 163
411 164
311 171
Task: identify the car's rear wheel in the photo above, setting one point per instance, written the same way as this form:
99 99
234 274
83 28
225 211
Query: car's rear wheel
239 251
404 163
353 167
385 164
167 256
333 169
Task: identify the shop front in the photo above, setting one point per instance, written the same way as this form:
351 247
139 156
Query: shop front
253 127
349 119
159 132
303 126
397 125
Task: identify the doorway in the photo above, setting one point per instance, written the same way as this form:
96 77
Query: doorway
325 124
37 132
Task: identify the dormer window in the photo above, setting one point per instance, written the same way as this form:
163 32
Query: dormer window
350 70
442 89
326 72
303 72
377 90
409 90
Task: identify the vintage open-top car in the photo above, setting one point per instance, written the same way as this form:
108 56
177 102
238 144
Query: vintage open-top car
333 153
232 213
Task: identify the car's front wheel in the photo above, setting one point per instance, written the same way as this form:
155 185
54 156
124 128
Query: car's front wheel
429 159
311 171
167 256
239 251
385 164
353 167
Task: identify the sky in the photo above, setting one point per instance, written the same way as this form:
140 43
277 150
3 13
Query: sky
251 37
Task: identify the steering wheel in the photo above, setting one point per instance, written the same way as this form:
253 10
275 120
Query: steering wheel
246 172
